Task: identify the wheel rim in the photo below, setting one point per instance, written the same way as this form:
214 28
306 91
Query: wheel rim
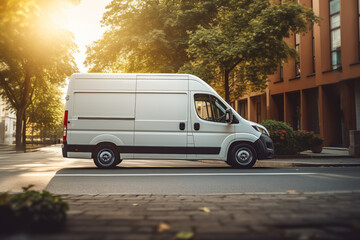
243 156
106 157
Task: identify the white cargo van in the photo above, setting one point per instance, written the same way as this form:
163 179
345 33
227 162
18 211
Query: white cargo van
111 117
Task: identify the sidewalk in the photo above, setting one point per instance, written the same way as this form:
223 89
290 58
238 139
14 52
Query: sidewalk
9 149
329 157
242 216
327 152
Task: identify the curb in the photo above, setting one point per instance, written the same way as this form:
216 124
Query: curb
288 164
300 156
267 163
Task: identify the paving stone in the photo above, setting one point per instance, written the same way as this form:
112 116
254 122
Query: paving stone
244 216
167 217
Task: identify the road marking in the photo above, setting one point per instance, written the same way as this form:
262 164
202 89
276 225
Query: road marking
158 174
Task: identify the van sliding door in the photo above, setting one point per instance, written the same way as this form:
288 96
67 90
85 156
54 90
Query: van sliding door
161 125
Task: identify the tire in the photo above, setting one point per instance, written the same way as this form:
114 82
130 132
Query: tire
242 156
106 156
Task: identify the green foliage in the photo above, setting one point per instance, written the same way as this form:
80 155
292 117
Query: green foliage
32 211
306 140
147 36
287 141
316 141
282 135
45 114
303 140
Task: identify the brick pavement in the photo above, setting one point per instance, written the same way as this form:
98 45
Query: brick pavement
243 216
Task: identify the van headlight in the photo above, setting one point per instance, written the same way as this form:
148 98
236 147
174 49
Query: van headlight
262 130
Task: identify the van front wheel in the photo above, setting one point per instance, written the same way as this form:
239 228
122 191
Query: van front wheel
242 156
106 156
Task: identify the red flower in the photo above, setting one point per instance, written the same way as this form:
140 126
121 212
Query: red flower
282 138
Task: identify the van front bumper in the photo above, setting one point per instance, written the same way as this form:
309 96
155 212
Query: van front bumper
265 147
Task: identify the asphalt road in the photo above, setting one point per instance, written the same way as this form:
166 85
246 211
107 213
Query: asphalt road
46 169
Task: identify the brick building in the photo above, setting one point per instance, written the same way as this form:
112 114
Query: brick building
320 91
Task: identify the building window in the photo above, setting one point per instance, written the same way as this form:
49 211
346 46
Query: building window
335 34
258 112
281 71
297 60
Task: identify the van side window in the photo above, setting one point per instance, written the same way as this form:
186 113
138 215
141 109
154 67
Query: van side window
209 108
203 106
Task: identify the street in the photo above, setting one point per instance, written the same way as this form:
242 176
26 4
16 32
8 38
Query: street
47 169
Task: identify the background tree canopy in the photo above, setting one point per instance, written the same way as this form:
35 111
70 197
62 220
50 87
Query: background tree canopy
147 36
232 44
245 43
35 52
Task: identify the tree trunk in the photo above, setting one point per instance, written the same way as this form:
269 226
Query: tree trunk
24 134
32 135
226 87
20 112
19 128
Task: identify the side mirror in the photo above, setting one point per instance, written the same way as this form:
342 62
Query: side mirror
229 116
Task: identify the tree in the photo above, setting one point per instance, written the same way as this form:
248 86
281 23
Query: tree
34 51
246 40
148 35
45 113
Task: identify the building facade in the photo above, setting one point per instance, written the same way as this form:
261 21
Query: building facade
7 124
319 91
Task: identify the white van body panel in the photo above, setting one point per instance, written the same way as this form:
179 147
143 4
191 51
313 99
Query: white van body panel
109 137
148 116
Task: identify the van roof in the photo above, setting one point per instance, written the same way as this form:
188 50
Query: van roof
132 75
144 76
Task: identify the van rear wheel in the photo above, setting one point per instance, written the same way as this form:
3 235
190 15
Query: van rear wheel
242 156
106 156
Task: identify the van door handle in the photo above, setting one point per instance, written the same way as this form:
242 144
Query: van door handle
196 126
182 126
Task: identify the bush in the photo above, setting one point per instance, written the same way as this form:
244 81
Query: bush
303 140
32 211
287 141
282 135
316 141
306 140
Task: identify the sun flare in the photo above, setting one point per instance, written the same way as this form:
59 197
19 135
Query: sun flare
83 20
